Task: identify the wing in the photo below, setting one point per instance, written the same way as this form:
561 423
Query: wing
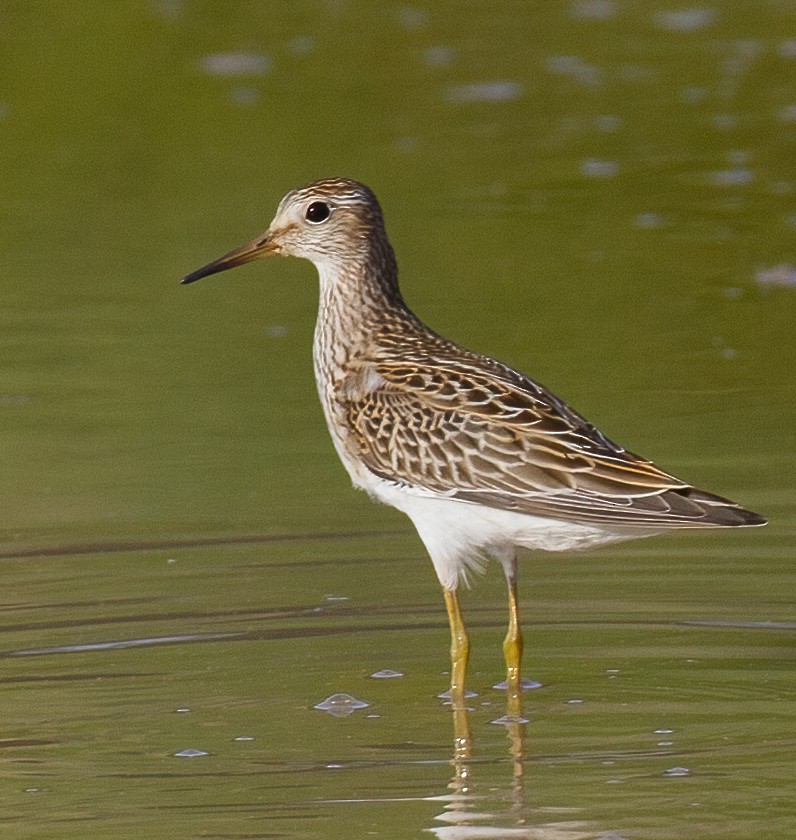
472 429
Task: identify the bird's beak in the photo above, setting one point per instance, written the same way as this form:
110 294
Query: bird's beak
259 247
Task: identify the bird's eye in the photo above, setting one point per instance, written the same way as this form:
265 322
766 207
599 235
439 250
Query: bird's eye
317 212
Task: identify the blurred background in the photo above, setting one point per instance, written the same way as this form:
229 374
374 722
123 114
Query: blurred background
601 193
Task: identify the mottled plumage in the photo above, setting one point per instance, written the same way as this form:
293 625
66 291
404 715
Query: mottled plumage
482 458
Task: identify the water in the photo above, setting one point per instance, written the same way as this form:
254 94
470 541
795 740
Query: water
599 193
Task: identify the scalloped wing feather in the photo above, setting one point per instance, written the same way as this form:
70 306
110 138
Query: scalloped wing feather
475 430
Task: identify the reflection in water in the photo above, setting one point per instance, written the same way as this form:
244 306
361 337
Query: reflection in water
464 816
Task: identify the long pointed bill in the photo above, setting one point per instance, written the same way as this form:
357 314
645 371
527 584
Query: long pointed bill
258 247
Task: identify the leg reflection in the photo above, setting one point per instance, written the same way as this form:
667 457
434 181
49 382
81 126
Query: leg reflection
464 804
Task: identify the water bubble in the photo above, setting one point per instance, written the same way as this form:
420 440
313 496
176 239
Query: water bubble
787 49
649 221
783 187
183 710
168 9
303 45
333 598
748 47
190 753
685 20
340 705
673 772
724 122
446 695
693 95
497 91
235 64
526 684
245 96
14 399
574 701
664 743
509 720
593 9
574 67
243 738
780 275
386 674
276 330
736 177
594 168
439 56
407 145
788 114
412 17
663 731
564 65
608 123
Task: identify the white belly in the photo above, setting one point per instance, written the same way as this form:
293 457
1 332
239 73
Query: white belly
460 536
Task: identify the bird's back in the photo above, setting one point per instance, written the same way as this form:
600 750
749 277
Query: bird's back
442 419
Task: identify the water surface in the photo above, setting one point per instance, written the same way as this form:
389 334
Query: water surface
600 193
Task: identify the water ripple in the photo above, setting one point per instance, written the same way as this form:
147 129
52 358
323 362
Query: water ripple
125 643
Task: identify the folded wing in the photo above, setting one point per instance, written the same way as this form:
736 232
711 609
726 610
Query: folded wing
477 431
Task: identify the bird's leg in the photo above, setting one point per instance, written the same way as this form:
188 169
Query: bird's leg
460 648
512 645
460 654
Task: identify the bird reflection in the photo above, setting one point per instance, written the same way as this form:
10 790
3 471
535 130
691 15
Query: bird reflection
465 814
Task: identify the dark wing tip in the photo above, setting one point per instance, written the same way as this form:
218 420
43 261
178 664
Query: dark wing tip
745 518
720 511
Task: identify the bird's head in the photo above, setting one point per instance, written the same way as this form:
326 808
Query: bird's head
326 221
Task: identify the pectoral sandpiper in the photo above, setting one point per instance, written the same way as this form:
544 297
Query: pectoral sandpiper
483 460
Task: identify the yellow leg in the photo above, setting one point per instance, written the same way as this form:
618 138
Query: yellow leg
512 647
460 648
462 741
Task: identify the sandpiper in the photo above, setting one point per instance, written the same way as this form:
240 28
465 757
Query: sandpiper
485 461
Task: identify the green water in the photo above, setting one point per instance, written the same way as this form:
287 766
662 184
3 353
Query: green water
598 192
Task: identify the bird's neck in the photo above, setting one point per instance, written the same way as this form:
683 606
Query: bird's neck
359 302
358 294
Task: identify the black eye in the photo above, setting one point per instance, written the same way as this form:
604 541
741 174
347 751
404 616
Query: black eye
317 212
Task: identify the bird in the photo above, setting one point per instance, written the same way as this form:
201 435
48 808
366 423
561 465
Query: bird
486 462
